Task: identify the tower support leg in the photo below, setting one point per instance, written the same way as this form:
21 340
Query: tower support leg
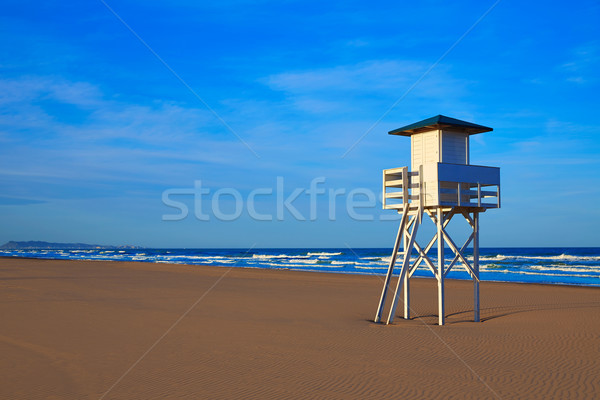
440 268
407 279
476 266
388 277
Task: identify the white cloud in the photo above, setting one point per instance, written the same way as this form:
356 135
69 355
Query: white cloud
82 94
367 76
583 65
356 86
112 141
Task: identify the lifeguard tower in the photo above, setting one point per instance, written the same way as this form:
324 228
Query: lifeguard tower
442 184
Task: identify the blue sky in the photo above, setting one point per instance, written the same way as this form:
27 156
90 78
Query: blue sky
94 128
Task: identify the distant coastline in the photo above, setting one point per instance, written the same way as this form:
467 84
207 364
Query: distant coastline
41 245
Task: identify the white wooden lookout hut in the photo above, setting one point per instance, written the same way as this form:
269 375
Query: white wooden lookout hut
441 183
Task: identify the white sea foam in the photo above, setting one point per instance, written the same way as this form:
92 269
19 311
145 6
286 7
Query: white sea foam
496 258
398 259
325 254
301 261
549 274
563 257
307 267
565 268
312 267
196 257
534 273
271 256
557 268
202 259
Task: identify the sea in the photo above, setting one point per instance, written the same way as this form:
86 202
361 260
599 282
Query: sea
565 266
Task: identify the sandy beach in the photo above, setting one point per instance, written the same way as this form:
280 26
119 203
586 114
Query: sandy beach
116 330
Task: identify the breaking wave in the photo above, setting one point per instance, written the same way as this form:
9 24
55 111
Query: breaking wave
545 265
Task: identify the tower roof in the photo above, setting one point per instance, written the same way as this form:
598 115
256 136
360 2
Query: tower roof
440 122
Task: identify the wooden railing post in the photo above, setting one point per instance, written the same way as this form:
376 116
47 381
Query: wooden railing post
405 186
384 190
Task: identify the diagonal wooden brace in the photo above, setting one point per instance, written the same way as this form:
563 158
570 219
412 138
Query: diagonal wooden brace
464 246
403 271
450 242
